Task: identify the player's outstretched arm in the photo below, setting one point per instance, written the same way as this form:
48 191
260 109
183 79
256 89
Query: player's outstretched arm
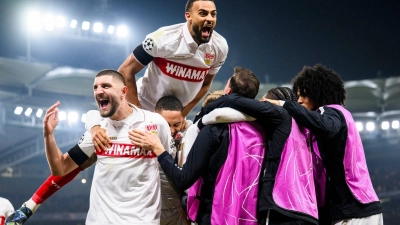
204 89
60 164
129 68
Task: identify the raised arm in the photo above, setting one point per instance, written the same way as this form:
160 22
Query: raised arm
129 68
60 164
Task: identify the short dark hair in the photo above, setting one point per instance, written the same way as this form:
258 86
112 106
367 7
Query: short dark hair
189 4
170 103
320 84
281 93
244 83
115 74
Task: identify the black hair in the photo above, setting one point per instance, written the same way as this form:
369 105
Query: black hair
170 103
115 74
281 93
321 85
189 4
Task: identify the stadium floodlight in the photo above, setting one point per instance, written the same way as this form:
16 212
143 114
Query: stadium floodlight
359 126
83 181
62 115
60 21
28 111
34 21
72 117
122 31
85 25
18 110
385 125
370 126
73 24
111 29
395 124
98 27
39 113
83 118
48 21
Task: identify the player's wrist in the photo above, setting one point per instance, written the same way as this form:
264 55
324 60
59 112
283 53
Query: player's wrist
158 149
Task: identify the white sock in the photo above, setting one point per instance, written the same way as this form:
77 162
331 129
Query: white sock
31 205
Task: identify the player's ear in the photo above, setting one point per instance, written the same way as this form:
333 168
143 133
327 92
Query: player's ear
188 17
124 91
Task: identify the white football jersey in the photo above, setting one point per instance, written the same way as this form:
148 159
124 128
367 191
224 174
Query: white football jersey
180 65
6 209
126 181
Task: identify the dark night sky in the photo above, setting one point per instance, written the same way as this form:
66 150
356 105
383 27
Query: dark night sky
355 38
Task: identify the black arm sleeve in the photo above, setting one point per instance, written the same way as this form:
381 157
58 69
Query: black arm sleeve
196 164
142 56
262 111
77 155
328 123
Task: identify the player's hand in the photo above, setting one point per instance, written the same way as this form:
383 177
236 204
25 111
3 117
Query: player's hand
50 120
146 140
100 139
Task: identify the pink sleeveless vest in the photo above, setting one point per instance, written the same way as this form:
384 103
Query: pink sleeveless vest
355 166
236 186
294 188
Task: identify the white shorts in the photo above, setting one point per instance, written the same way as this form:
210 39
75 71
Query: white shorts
374 219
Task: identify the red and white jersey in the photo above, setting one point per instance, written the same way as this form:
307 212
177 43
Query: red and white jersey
180 65
126 181
6 209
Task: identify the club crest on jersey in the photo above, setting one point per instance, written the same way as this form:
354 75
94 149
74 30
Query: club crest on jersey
209 58
152 128
148 44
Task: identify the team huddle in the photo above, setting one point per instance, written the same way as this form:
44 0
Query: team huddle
293 157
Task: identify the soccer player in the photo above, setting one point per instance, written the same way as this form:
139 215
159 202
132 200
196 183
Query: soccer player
6 209
182 60
126 184
320 108
217 150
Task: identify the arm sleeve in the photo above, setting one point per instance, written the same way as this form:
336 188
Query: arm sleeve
222 45
326 123
83 150
197 161
225 115
142 56
93 118
262 111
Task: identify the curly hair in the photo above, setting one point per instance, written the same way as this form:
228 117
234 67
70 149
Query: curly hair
320 84
281 93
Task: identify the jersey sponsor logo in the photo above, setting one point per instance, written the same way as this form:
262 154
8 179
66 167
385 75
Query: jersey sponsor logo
148 44
209 58
2 219
127 150
181 71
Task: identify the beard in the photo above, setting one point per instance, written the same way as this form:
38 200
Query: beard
113 108
197 32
